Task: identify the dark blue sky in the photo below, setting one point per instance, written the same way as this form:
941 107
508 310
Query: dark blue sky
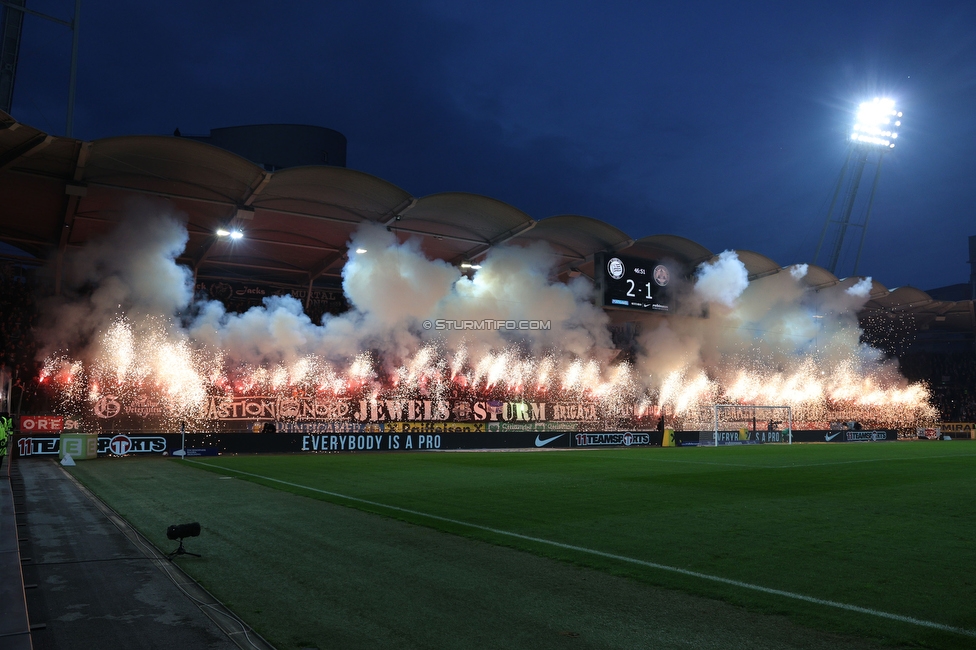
722 122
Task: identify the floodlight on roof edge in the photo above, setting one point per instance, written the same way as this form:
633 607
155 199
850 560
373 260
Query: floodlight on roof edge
234 234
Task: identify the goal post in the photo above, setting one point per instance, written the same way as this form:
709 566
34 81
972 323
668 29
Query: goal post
738 424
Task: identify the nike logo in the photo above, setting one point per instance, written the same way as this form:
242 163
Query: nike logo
829 438
542 443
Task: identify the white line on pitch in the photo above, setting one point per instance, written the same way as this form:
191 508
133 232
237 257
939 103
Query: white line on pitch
824 464
622 558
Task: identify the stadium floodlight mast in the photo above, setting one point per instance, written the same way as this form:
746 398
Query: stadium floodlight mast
875 124
874 132
10 50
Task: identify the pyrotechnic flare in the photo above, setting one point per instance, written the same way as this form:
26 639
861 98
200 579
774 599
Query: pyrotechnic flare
131 328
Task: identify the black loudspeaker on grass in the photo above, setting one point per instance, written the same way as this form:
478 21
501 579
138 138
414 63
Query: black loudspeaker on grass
178 532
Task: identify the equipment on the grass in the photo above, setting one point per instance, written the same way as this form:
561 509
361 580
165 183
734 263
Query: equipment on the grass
738 424
178 532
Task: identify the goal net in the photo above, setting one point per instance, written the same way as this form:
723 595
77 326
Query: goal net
735 424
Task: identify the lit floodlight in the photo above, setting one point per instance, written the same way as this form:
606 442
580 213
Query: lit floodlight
469 265
873 123
222 232
236 234
360 251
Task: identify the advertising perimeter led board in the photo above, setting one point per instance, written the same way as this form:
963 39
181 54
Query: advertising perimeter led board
633 283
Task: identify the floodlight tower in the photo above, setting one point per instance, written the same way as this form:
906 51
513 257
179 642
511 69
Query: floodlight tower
873 136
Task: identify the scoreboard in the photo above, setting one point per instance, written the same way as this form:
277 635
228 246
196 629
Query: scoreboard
633 282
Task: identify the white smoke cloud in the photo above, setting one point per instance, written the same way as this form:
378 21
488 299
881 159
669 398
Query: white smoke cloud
131 271
862 289
722 280
393 284
392 287
514 284
799 271
776 324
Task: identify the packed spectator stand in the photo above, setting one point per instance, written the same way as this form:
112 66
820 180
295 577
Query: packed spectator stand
18 320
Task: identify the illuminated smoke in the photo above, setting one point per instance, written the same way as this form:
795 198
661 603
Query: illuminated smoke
129 323
799 271
775 341
862 289
723 280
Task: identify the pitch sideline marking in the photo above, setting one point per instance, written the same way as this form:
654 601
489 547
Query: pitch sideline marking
622 558
824 464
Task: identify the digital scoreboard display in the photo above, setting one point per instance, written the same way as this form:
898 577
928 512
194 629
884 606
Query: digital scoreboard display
633 283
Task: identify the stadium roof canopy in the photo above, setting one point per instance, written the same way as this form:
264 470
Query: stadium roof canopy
56 194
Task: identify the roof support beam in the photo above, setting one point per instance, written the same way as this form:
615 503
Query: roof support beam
569 266
31 145
467 240
257 190
397 212
319 269
355 221
281 269
211 242
24 240
318 247
255 193
74 193
763 274
474 253
307 215
165 195
20 259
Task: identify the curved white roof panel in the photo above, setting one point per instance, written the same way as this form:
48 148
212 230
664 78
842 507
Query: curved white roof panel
58 193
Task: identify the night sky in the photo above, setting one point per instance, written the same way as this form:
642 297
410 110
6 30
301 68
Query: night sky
723 122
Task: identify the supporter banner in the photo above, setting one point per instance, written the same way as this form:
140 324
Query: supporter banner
533 426
958 429
435 427
145 411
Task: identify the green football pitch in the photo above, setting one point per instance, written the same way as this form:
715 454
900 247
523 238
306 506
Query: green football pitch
802 546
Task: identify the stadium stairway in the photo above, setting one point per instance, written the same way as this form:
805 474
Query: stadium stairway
95 582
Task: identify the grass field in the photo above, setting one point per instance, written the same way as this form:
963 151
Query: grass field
580 545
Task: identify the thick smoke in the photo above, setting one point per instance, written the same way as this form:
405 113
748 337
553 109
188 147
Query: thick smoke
130 272
774 324
722 281
126 291
392 288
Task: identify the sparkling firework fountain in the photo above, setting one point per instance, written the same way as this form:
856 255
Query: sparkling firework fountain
133 341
